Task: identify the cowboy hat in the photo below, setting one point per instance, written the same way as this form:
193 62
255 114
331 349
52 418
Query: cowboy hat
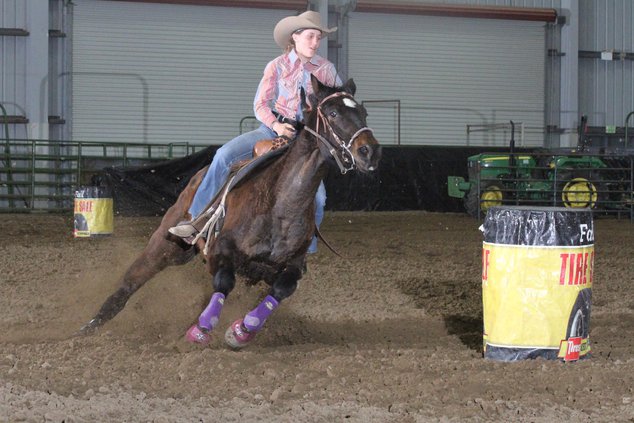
307 20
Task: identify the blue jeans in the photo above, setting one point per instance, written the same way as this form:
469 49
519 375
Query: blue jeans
241 148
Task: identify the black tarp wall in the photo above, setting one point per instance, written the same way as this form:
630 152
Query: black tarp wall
409 178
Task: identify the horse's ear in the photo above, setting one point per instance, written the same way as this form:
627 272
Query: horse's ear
350 87
318 87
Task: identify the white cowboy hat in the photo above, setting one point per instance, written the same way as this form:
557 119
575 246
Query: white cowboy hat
307 20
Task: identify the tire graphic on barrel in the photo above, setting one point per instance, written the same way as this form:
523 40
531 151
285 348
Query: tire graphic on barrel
81 224
579 320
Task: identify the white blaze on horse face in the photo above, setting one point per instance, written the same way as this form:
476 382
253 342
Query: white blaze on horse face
349 102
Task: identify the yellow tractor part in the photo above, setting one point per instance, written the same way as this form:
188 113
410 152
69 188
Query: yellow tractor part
579 193
490 197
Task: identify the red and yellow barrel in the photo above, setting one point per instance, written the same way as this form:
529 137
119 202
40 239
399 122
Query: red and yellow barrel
537 272
93 214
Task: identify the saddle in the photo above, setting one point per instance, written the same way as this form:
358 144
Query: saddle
264 146
209 223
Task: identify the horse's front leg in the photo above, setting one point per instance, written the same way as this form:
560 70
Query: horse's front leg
223 281
242 331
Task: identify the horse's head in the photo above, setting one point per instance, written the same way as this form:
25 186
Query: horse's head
339 122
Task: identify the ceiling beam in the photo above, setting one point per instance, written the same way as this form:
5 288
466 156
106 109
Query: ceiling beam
458 11
259 4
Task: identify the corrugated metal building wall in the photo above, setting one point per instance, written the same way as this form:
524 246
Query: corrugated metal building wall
31 57
509 3
605 89
13 51
555 4
165 73
449 74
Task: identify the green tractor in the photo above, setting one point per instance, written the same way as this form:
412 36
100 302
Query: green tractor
566 180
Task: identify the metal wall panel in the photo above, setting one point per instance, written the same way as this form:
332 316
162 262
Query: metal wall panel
60 23
167 73
520 3
503 3
13 65
448 73
606 87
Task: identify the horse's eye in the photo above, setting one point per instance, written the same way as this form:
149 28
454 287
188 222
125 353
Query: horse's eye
333 114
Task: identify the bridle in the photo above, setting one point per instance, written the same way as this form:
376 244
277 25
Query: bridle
338 148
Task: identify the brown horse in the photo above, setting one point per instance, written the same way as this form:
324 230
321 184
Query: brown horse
269 219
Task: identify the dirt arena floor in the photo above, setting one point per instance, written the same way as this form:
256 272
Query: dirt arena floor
391 334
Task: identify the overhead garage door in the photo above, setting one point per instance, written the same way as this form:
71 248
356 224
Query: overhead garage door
164 73
447 75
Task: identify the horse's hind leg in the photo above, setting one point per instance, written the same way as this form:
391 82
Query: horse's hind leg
157 255
242 331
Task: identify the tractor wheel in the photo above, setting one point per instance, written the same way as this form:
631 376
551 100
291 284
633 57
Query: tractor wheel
581 192
490 195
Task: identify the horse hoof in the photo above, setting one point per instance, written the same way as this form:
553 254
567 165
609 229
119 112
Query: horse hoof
237 337
89 328
197 335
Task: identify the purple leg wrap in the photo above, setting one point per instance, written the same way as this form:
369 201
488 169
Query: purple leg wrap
209 317
255 319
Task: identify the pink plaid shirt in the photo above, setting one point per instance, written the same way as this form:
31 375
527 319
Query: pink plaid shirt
280 86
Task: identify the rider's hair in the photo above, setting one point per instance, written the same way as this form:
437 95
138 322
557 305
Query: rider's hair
291 43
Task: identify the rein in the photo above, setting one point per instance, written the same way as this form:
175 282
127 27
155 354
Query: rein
339 149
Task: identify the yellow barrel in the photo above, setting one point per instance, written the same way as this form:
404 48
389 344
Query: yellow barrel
537 270
93 212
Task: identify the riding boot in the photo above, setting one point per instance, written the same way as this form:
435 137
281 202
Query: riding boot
184 230
187 230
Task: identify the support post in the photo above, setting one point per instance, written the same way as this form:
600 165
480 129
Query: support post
569 75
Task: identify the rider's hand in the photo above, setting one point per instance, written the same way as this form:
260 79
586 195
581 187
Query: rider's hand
283 129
